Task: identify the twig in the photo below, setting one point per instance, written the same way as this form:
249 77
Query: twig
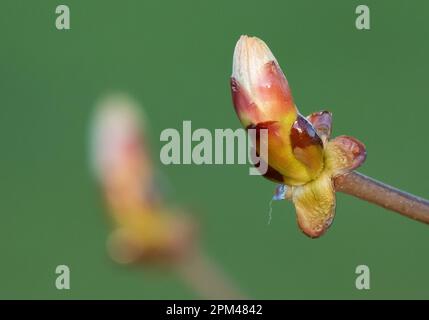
207 279
371 190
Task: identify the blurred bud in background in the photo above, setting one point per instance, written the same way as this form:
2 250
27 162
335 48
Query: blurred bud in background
146 230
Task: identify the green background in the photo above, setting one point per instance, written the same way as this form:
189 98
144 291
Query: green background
175 58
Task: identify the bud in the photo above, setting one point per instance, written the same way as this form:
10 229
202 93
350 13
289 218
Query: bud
146 230
260 90
300 154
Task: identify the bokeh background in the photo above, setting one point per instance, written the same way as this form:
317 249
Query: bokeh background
175 58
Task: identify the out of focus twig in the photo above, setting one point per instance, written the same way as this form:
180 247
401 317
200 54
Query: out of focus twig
207 279
147 231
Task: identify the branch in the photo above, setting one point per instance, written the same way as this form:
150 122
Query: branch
371 190
207 279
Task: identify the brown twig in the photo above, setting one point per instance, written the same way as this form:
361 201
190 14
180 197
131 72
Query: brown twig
371 190
207 279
